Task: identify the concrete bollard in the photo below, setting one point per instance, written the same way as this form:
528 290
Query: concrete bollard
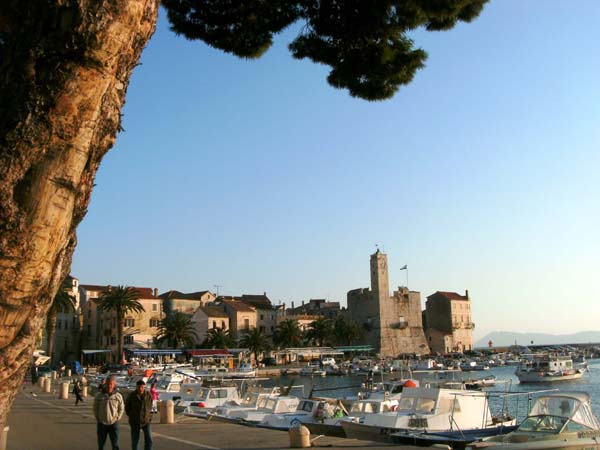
84 391
40 382
167 411
54 375
299 437
4 438
64 391
47 386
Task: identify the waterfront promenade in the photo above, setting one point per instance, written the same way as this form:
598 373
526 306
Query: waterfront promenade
40 421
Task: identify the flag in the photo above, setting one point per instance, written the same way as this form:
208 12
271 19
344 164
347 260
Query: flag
404 267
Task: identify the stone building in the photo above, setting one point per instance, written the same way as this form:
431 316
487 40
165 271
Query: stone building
317 307
267 314
393 324
185 303
209 317
100 327
242 317
449 327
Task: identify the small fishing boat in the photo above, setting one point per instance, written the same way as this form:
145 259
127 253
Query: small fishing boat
313 370
548 369
429 410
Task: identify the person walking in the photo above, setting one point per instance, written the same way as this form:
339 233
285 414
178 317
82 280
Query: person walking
154 393
77 389
108 409
138 408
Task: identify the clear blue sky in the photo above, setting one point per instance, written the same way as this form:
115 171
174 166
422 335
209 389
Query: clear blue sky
258 176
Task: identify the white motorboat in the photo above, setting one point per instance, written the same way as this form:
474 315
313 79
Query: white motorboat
207 399
562 420
255 405
308 410
313 370
331 426
548 369
428 409
473 366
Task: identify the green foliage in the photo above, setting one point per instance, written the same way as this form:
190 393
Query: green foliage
320 331
288 334
347 331
176 330
218 338
256 341
120 300
364 41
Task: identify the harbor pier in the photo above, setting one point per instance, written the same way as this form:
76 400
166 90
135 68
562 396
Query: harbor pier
42 421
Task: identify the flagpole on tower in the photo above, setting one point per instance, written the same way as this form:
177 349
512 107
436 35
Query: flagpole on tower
405 267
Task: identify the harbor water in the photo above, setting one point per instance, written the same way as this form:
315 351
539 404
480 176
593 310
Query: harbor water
349 386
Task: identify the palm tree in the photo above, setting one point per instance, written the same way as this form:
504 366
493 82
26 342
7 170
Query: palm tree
218 338
177 330
346 331
288 334
256 341
63 302
120 300
320 331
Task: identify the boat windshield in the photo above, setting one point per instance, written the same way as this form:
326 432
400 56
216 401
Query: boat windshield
418 405
554 414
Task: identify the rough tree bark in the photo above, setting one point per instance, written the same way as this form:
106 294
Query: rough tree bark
51 320
64 69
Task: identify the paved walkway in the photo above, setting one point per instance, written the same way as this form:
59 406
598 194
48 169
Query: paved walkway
40 421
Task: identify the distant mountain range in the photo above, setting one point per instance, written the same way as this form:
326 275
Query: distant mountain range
506 338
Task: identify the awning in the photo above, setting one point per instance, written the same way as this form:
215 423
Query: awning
152 351
208 352
356 348
93 352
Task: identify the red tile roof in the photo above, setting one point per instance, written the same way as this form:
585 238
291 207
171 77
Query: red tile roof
181 296
214 311
239 306
145 292
450 295
258 301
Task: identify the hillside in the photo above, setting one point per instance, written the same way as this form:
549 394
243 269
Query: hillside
504 338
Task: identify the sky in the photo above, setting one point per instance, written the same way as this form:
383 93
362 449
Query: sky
257 176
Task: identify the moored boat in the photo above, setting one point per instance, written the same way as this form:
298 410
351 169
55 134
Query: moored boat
562 420
547 369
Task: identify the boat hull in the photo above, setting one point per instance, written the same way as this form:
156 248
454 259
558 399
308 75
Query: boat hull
364 432
535 377
325 429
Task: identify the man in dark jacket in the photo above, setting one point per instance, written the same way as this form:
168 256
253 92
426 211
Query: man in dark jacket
138 408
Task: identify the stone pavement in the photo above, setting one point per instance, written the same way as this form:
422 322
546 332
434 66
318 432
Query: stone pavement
40 421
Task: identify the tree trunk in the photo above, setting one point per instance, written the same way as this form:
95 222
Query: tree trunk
64 69
119 338
51 332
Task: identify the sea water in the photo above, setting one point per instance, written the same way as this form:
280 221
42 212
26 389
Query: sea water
348 386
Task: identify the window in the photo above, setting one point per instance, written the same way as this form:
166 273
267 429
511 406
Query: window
129 322
261 328
154 307
59 324
154 323
262 317
214 324
128 339
113 340
223 324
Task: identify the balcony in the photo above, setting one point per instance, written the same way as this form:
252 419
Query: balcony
463 325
